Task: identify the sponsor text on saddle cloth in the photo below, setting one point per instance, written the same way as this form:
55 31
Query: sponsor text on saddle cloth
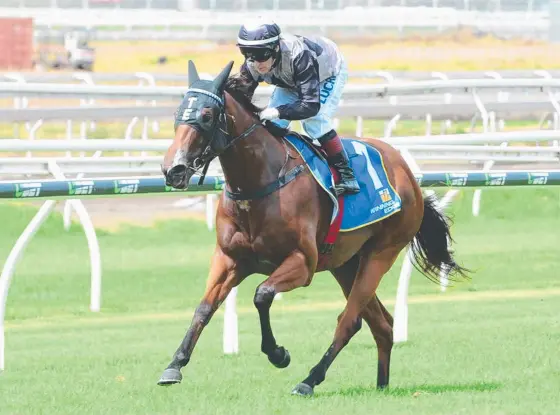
376 200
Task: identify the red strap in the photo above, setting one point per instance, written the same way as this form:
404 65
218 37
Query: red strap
335 226
332 234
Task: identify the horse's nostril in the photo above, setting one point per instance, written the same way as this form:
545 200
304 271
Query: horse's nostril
176 175
178 170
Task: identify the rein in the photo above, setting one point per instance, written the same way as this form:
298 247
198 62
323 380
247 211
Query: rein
271 187
208 154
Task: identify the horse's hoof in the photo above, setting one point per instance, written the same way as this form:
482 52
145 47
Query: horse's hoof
280 358
303 389
170 376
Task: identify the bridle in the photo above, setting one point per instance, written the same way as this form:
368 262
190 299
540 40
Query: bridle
210 133
219 140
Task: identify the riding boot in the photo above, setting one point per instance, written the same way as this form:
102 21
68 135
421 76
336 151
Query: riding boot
337 157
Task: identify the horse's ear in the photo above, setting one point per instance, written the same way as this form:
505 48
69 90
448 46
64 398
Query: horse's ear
221 79
193 74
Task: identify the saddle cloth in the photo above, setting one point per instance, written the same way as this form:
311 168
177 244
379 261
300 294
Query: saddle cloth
377 199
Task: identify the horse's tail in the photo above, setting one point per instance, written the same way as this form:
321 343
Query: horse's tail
430 245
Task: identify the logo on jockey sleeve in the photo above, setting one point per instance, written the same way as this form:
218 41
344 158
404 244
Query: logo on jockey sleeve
326 89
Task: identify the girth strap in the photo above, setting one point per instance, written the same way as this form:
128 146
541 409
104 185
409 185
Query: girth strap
269 188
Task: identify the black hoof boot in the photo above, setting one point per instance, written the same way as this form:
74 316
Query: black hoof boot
280 358
302 389
170 376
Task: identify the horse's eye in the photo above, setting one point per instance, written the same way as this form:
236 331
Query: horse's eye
206 117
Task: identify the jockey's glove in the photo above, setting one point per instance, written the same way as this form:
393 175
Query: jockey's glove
269 114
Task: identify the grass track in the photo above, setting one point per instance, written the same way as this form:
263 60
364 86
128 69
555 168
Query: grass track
482 354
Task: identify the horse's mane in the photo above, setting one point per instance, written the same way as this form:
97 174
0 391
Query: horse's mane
239 87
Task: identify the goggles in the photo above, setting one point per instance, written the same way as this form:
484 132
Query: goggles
257 55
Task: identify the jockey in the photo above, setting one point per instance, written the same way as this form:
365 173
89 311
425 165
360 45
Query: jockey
309 74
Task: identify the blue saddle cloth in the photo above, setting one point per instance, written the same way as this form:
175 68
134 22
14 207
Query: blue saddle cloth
377 199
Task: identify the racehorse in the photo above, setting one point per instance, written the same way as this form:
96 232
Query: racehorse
274 215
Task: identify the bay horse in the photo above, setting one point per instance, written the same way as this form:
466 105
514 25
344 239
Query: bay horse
272 221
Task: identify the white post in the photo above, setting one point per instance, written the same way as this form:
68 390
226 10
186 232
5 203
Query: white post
389 78
553 100
13 258
446 96
128 133
69 135
150 80
444 274
231 339
359 126
91 237
391 126
488 164
67 215
400 324
484 115
88 80
502 96
210 211
32 132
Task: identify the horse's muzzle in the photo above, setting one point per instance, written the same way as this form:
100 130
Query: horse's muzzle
176 177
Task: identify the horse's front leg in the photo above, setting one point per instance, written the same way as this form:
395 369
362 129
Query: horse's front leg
295 271
224 274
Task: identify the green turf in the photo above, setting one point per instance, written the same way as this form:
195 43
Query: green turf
476 354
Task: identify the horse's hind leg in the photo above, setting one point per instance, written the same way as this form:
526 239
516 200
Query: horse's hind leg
386 314
371 269
345 275
382 329
376 316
